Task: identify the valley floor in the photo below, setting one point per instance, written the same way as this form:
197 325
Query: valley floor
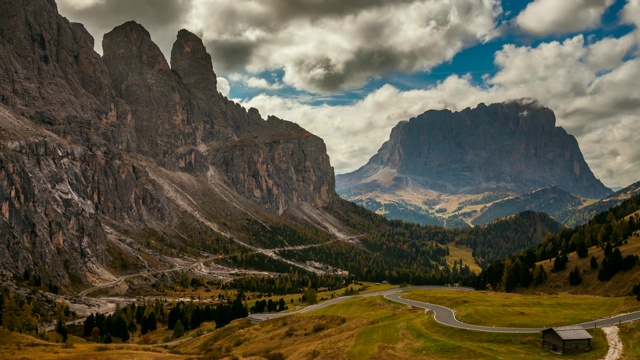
372 327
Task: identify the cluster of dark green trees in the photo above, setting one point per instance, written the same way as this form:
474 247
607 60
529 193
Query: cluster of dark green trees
295 281
191 316
124 322
262 306
146 317
607 230
613 262
636 291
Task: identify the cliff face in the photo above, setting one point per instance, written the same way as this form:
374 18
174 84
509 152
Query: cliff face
513 146
89 144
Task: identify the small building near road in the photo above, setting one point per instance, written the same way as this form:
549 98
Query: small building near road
566 339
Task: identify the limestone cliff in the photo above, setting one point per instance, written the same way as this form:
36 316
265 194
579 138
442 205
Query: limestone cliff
512 146
94 147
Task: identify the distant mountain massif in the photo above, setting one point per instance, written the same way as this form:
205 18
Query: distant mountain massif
475 166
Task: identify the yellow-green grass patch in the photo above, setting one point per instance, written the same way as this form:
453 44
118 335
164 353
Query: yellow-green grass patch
521 310
461 252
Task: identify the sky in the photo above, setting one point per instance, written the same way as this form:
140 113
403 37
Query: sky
349 71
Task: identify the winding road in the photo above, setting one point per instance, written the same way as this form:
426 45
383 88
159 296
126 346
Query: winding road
444 315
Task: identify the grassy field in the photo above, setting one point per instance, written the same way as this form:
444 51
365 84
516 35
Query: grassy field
463 253
630 335
521 310
359 328
371 328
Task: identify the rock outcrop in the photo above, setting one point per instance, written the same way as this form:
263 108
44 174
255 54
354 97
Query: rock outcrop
512 146
93 147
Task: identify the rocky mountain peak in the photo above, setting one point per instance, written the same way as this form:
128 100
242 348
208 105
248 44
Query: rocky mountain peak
128 50
91 146
189 58
512 146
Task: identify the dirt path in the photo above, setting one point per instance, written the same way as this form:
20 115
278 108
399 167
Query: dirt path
615 344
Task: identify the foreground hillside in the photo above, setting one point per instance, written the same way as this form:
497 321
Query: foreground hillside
367 328
600 257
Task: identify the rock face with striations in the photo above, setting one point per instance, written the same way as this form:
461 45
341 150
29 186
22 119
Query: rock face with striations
92 148
512 146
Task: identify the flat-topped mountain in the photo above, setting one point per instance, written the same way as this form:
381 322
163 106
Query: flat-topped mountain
512 147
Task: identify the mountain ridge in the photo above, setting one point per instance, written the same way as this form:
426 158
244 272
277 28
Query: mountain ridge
98 152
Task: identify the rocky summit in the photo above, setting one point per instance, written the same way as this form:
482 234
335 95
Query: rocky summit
100 153
509 148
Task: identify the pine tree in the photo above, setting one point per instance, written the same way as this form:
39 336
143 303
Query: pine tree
151 322
574 277
61 328
593 262
582 250
178 329
89 324
608 250
539 275
120 328
143 326
196 318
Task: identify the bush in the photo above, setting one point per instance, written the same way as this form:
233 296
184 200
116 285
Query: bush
574 277
318 327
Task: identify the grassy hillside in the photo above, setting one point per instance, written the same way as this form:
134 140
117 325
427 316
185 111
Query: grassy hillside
370 328
611 231
551 200
574 217
20 346
619 285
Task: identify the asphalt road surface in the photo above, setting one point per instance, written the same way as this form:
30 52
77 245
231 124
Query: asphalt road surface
444 315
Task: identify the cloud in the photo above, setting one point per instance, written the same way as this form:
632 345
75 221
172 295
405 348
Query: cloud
322 46
254 82
631 12
223 86
592 88
546 17
327 46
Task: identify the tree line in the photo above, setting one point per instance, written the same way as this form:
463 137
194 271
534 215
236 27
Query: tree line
607 230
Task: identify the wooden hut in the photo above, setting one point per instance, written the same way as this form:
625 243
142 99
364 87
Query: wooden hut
566 339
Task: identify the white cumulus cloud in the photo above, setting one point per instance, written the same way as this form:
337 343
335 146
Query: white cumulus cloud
592 89
545 17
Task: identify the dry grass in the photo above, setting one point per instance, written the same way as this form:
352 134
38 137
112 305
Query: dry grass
21 346
457 253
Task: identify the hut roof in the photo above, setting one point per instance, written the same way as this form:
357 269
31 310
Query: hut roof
570 332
